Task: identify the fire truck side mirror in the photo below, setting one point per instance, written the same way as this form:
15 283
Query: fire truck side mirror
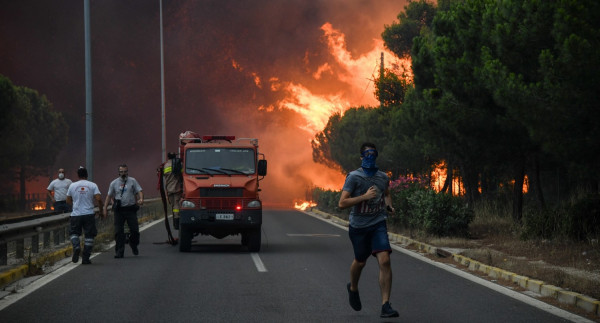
262 167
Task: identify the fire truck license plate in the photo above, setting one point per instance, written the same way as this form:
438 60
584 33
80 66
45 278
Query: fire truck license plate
224 216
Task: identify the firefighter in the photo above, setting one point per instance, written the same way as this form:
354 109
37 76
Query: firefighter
172 179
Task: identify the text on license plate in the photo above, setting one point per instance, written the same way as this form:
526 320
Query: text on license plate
224 216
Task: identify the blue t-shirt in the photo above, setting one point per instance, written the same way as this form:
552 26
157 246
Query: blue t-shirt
369 212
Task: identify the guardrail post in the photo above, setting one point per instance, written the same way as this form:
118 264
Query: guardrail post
20 254
35 243
56 237
3 254
46 239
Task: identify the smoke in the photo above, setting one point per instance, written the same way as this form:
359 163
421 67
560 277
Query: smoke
273 70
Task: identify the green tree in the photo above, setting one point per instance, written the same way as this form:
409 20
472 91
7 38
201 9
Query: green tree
398 37
32 134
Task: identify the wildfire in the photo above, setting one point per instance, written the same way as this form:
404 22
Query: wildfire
304 205
38 206
438 176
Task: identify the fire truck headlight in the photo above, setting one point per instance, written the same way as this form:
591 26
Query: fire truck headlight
254 203
188 204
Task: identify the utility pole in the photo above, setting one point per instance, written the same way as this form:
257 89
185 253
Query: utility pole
162 91
381 74
89 158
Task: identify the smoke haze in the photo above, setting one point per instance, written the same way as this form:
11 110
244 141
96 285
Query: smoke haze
273 70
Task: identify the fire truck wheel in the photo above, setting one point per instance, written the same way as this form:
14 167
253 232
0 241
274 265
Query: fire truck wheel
244 239
254 240
185 240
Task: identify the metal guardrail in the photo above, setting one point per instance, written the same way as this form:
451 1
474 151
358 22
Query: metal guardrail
16 238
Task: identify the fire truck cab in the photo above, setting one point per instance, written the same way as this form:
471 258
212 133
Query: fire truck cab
221 176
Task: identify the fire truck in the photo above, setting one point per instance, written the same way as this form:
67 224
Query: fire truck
221 176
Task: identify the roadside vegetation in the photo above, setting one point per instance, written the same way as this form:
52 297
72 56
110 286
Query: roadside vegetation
500 97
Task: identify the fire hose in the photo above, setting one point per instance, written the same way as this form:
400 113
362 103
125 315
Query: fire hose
163 195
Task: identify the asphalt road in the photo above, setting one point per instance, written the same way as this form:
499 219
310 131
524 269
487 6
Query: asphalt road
300 275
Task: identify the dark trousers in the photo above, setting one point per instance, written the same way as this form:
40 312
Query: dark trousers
87 223
62 207
134 230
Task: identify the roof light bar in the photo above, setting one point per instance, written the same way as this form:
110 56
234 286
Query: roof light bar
209 138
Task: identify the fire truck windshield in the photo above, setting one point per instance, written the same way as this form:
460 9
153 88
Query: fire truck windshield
220 161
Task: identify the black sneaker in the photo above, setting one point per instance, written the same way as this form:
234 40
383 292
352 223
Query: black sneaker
135 250
354 299
119 255
86 261
75 257
388 311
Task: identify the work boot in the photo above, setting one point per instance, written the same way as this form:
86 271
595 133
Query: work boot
176 223
119 253
87 252
75 257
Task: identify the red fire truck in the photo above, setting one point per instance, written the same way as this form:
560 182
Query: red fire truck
221 176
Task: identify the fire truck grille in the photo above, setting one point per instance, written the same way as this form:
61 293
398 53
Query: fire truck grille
221 192
221 204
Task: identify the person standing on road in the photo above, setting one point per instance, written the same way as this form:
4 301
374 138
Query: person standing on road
59 186
172 177
127 197
366 190
82 195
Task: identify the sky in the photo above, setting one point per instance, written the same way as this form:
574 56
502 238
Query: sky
268 69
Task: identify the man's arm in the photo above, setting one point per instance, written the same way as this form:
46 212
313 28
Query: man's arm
51 196
346 201
140 198
105 209
387 197
69 200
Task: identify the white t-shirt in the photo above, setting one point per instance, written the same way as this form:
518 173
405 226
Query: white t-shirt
82 192
60 187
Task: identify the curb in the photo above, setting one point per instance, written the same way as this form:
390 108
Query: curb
582 301
21 271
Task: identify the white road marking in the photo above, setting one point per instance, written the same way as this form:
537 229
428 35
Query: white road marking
258 263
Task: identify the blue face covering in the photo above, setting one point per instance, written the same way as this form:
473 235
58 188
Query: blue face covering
368 162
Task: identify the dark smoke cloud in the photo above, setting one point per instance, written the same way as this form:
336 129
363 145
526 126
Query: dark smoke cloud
214 52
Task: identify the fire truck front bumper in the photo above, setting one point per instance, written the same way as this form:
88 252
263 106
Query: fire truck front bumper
199 220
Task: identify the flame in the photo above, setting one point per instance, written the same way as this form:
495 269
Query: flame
304 205
338 82
438 177
38 206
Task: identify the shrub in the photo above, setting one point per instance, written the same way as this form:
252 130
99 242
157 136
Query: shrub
439 213
579 220
584 222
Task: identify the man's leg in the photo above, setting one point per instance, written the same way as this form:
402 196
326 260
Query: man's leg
385 275
90 231
355 271
119 234
134 232
75 232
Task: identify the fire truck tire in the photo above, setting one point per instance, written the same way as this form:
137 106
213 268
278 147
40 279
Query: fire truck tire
244 239
185 240
254 240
